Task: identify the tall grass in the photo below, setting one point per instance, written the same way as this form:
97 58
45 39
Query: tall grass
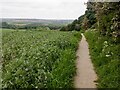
105 55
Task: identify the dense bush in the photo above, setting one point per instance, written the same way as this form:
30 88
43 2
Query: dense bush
105 56
39 59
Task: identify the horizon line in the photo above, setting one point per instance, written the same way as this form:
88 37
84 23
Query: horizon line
38 18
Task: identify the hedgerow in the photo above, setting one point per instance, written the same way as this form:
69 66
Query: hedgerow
105 57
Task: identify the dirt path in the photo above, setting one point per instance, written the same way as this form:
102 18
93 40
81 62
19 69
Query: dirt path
86 75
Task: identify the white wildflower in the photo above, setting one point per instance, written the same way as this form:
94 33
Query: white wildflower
107 55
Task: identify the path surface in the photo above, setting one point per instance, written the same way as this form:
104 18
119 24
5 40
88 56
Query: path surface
86 75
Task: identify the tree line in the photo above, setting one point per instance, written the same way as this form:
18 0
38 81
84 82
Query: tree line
29 26
102 16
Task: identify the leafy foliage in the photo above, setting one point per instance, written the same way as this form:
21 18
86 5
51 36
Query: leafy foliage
83 22
106 59
39 59
108 20
101 16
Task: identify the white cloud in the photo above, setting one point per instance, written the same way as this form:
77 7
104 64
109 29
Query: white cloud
50 9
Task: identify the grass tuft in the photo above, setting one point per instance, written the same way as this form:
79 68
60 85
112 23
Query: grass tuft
106 59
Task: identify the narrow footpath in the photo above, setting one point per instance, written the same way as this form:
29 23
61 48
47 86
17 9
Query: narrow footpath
85 74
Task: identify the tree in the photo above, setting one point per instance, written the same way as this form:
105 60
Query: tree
5 25
85 23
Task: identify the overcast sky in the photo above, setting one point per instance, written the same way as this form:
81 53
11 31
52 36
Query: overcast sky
43 9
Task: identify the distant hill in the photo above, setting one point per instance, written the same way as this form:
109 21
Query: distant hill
31 21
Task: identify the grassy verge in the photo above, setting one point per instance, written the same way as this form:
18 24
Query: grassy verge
39 59
106 58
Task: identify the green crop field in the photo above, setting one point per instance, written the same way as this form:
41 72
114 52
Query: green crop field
38 59
43 47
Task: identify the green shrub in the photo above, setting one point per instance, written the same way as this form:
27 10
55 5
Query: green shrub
105 56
